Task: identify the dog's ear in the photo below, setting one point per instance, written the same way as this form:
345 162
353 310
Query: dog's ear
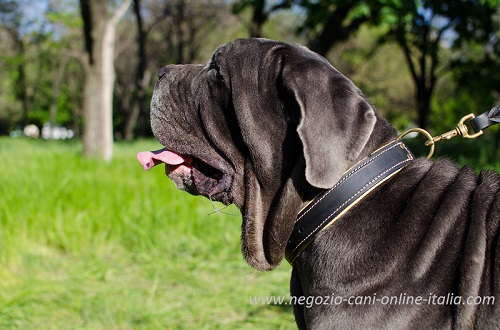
272 89
336 119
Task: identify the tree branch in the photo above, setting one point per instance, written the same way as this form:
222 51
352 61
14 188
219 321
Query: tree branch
117 16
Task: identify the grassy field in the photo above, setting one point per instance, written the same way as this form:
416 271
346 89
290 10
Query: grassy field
88 245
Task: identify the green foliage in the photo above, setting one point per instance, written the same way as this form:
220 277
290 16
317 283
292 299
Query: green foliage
53 52
39 70
89 245
491 3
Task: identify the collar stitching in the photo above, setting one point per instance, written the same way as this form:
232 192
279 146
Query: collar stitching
345 177
347 201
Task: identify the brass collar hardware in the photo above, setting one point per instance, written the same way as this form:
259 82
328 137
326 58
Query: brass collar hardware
423 132
461 129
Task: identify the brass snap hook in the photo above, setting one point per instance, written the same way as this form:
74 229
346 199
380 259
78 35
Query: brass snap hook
461 129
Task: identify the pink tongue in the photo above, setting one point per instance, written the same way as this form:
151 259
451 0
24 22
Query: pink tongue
149 159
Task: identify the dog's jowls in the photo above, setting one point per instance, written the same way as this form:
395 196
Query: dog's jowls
267 125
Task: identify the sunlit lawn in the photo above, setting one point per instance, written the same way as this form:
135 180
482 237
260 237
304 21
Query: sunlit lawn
88 245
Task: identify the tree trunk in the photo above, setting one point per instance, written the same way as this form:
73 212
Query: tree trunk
99 81
422 58
332 32
423 100
259 17
57 70
21 84
338 27
141 76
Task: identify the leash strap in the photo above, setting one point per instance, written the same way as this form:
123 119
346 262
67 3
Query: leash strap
486 119
351 188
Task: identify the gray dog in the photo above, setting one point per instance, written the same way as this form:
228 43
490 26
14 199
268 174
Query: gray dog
270 127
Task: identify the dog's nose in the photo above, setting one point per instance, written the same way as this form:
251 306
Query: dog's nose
162 71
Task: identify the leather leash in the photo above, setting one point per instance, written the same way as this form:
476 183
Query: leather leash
356 183
486 119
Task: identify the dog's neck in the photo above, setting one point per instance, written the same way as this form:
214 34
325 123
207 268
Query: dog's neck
352 187
383 135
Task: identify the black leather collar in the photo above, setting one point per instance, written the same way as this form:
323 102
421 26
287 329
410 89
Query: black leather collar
351 188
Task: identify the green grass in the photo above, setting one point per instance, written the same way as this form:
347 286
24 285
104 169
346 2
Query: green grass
89 245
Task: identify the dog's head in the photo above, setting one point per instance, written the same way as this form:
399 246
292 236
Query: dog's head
264 125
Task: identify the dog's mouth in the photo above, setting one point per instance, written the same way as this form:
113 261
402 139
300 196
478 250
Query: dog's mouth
190 174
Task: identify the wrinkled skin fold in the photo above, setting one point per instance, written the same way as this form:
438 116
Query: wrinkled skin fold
267 125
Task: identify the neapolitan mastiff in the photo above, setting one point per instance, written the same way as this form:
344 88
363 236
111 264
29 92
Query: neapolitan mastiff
272 126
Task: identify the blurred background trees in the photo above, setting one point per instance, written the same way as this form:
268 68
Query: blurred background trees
422 63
